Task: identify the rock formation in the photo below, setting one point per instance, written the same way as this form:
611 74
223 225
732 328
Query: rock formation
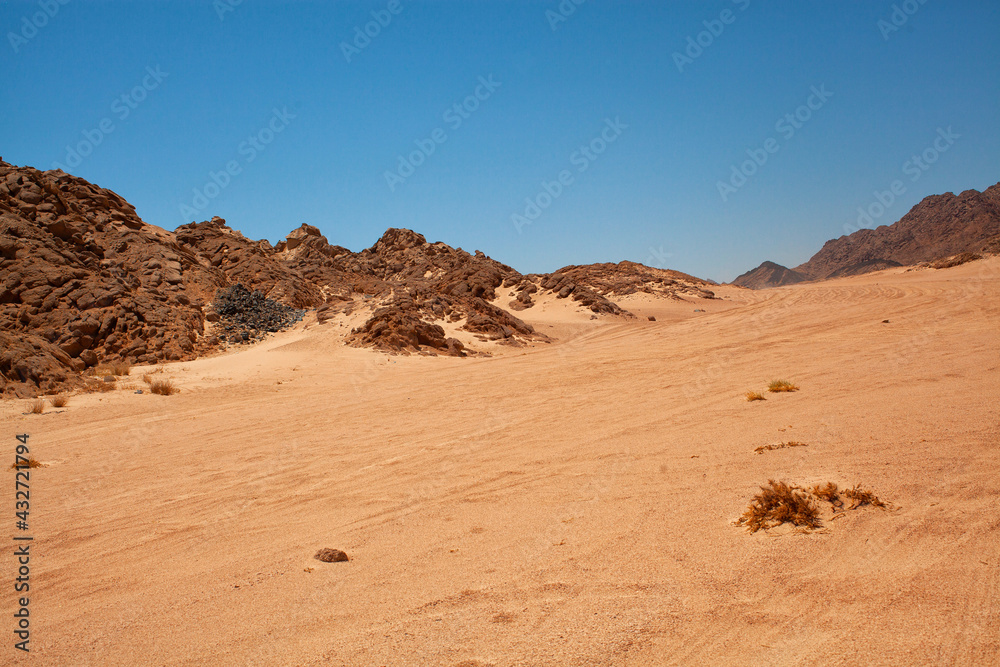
939 226
84 280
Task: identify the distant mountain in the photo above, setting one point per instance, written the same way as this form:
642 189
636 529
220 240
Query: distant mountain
767 275
939 226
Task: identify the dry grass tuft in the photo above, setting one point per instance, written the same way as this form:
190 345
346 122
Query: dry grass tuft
779 503
780 445
59 401
163 387
30 463
781 385
105 387
116 368
37 406
755 396
147 378
861 497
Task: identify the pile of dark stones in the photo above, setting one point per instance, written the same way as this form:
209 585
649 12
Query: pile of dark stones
246 316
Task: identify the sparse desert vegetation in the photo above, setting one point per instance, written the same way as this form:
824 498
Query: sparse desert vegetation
780 502
861 497
829 493
30 463
115 368
754 396
780 445
59 401
37 406
163 387
776 386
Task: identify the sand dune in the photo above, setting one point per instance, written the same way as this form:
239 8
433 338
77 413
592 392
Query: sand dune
565 503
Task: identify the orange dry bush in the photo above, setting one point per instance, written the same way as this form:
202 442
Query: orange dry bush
828 492
58 401
779 503
861 497
163 387
755 396
30 463
36 407
781 385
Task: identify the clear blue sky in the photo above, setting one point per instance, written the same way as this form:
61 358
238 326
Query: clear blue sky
653 188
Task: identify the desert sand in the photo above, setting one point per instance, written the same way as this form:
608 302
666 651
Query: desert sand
564 503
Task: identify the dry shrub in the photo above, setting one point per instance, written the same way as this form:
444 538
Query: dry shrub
755 396
37 406
781 385
30 463
830 493
105 387
861 497
779 503
116 368
780 445
58 401
147 378
163 387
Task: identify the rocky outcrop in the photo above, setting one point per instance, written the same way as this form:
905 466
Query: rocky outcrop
83 278
247 262
768 275
595 286
398 328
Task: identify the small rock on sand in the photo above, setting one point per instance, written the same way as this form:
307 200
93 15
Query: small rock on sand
330 555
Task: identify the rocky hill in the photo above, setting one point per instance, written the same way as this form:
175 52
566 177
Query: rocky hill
768 275
939 226
82 279
85 281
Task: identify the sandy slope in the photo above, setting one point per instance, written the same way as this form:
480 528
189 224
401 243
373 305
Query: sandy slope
569 503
